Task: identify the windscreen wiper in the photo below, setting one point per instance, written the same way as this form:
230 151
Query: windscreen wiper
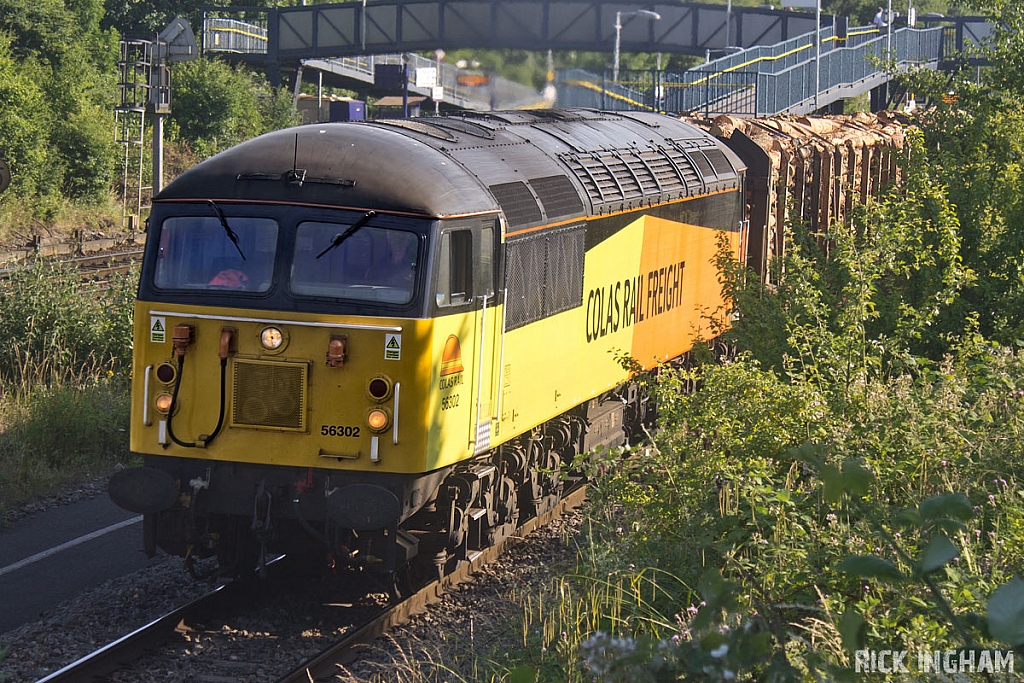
227 228
341 237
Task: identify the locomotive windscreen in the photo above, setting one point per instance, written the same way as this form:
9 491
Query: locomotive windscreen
372 264
200 253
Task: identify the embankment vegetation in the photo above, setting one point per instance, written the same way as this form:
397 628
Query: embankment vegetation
64 375
851 478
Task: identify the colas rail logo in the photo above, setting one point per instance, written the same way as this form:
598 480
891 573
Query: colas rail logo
451 363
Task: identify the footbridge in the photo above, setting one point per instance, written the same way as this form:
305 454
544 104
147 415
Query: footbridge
776 61
812 72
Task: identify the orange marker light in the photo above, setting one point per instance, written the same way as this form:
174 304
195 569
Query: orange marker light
377 420
163 403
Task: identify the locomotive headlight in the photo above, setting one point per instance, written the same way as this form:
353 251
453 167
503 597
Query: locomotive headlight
379 387
166 373
377 419
163 403
272 339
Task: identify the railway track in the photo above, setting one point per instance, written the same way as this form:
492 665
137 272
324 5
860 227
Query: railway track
109 658
189 633
324 665
96 270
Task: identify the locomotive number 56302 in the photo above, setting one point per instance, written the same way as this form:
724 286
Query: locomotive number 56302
338 430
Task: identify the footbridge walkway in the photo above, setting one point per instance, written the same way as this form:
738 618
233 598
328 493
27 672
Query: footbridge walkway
797 76
809 72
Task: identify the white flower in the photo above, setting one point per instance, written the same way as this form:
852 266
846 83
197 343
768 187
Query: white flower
720 651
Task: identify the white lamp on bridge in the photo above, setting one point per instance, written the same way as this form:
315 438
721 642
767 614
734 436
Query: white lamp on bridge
653 16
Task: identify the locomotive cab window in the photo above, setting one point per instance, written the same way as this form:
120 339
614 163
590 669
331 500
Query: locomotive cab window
215 253
455 268
366 264
465 267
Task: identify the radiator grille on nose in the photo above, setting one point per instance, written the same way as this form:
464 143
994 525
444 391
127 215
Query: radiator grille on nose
269 395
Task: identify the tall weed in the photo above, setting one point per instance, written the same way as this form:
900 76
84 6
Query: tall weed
64 371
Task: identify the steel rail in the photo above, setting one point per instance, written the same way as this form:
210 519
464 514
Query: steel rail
86 265
111 657
324 665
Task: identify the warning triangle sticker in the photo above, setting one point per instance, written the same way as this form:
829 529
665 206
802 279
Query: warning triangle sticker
393 344
158 326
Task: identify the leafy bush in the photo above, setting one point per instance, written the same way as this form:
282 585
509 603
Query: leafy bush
217 106
853 479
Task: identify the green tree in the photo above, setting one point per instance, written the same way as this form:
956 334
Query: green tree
974 137
57 72
216 105
24 124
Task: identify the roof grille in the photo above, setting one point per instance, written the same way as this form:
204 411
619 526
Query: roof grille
702 163
627 174
625 179
664 172
720 162
642 172
419 127
558 196
517 202
461 126
684 166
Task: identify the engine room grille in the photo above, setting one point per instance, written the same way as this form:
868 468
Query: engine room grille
678 160
702 163
269 395
628 174
544 275
720 162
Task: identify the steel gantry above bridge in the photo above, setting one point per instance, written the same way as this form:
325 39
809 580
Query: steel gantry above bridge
384 26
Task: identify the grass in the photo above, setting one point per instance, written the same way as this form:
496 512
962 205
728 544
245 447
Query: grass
685 575
56 435
64 380
19 221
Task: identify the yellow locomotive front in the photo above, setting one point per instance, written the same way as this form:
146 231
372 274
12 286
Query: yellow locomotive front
305 369
247 382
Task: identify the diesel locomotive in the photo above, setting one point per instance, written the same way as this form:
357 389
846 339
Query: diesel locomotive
379 341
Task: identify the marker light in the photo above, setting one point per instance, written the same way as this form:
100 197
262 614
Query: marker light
163 403
165 373
377 420
272 338
379 388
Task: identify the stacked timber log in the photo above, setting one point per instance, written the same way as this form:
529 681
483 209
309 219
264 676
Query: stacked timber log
811 170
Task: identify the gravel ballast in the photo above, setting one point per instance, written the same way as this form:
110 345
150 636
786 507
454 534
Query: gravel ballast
479 616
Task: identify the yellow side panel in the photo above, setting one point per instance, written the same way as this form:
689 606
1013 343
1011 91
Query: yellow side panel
462 383
648 292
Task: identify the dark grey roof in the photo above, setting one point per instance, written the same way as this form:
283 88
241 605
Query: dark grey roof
354 165
537 166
